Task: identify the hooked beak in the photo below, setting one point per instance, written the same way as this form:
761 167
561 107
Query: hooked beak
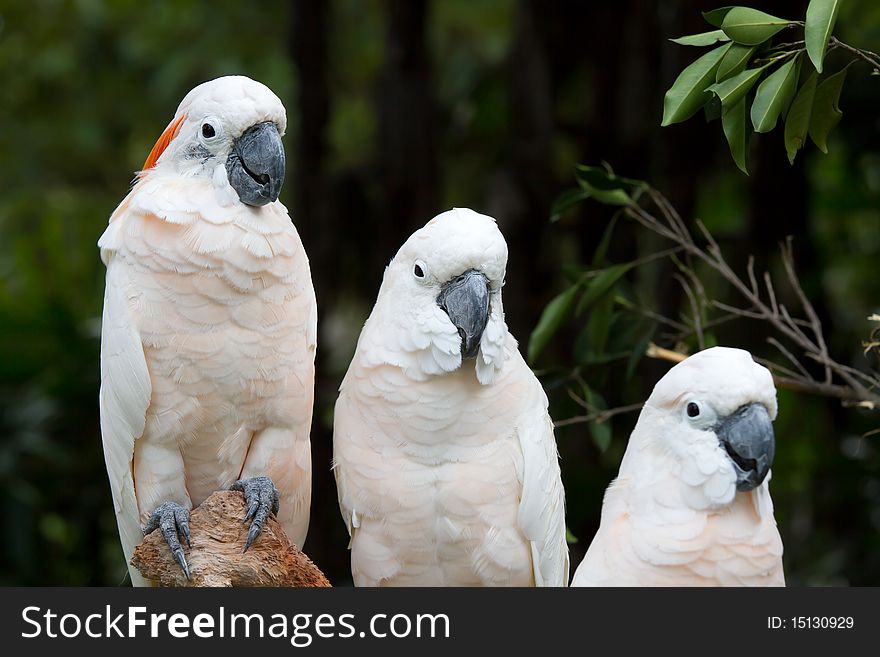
747 437
256 165
466 300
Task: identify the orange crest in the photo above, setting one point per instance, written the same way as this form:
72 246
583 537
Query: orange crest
165 139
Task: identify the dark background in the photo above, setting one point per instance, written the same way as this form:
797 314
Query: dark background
398 110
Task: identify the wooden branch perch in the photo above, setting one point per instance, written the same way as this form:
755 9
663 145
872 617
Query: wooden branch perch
215 557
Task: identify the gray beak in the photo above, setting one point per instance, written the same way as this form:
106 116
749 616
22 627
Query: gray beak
466 300
256 165
747 437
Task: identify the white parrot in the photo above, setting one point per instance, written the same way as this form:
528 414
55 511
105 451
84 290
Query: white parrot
209 326
691 505
445 461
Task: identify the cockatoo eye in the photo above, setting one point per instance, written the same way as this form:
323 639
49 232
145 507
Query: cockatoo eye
699 414
211 131
419 270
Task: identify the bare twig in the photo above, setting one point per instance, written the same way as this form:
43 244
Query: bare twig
776 343
815 324
871 57
806 335
577 400
657 317
653 351
771 293
598 416
797 339
698 328
792 383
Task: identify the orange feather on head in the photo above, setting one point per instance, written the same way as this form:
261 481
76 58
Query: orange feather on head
165 139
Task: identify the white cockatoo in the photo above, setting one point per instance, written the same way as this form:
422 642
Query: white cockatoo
209 325
691 505
445 461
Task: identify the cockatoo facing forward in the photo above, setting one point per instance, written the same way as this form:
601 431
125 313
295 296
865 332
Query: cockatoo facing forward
209 325
691 505
445 460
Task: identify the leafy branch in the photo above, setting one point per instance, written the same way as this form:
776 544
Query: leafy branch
805 334
803 361
749 74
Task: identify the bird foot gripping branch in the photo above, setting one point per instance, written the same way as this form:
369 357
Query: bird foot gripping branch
261 498
173 519
214 552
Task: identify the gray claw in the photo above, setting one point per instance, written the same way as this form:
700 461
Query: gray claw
261 498
172 518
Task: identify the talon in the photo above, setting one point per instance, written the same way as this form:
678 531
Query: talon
261 498
181 517
252 534
172 519
251 510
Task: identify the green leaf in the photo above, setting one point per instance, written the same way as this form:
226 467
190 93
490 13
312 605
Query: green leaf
603 185
774 95
619 180
602 249
600 432
716 16
821 16
638 352
603 178
736 131
688 93
550 320
712 109
797 122
702 39
570 538
751 27
600 284
566 201
826 112
599 323
734 61
611 196
710 339
733 89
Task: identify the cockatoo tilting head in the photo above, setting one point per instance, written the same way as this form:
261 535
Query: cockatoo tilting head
442 295
710 419
228 131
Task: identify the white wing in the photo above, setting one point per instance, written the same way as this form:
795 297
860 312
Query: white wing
125 396
542 506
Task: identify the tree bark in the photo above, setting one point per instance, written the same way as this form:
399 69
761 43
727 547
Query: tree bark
215 555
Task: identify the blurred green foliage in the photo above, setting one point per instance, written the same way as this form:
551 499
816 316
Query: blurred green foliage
520 91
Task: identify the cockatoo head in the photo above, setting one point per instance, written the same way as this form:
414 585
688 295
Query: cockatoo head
228 131
440 301
709 420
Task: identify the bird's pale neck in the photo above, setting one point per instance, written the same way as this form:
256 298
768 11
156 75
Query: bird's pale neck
661 473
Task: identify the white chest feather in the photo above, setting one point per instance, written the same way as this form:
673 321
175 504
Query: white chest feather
433 471
225 310
738 545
